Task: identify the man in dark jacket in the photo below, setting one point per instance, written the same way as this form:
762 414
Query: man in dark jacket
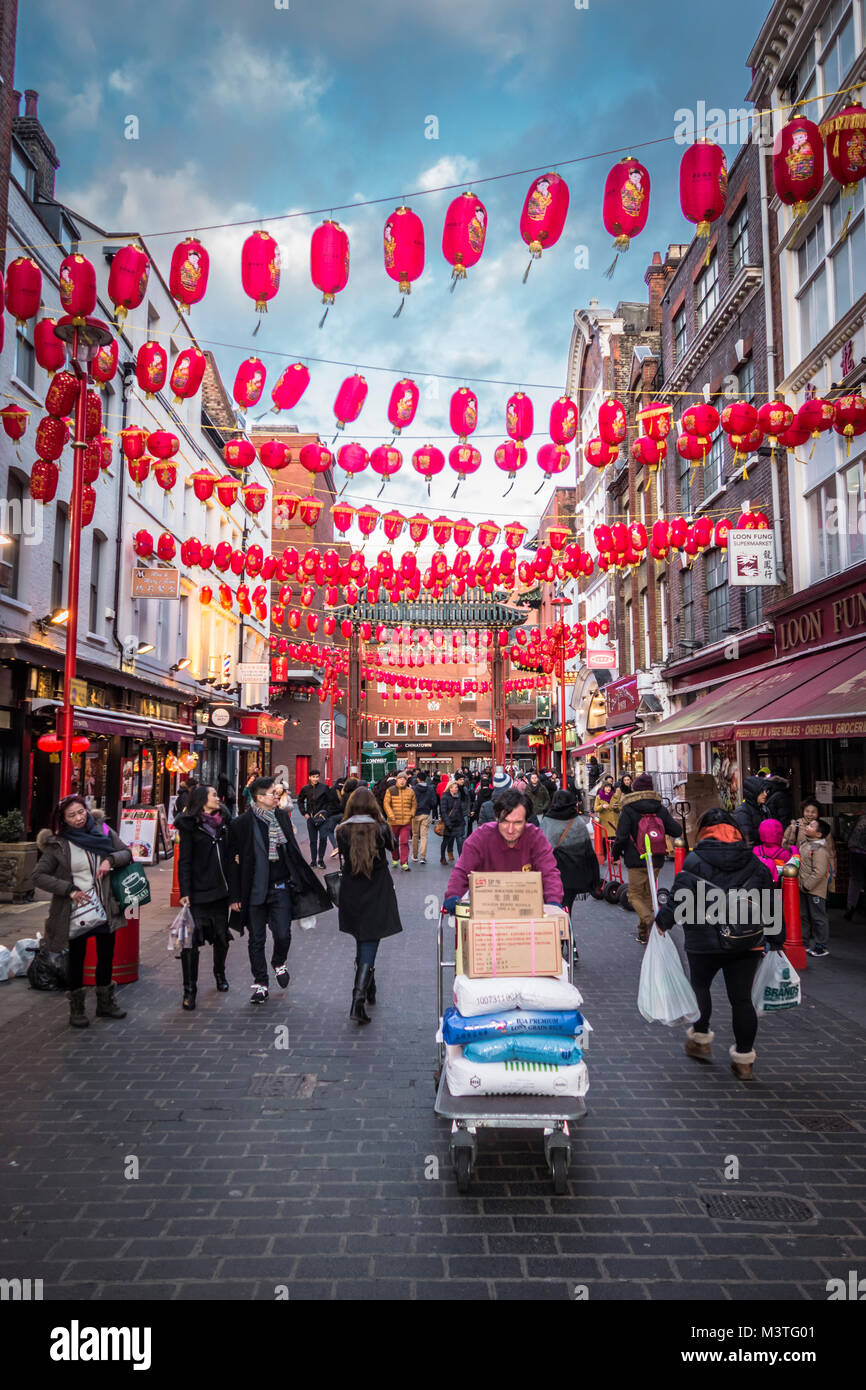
314 802
269 883
483 793
642 813
465 799
753 808
779 804
425 805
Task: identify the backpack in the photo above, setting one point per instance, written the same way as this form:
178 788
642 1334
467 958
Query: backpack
653 826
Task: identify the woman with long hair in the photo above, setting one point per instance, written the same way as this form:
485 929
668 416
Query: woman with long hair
202 877
368 903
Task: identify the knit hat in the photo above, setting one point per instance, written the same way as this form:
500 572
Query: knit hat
643 783
501 780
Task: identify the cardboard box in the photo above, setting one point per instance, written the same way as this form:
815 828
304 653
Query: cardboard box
502 948
505 895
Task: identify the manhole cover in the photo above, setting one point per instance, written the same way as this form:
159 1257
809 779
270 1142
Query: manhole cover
726 1206
830 1123
283 1086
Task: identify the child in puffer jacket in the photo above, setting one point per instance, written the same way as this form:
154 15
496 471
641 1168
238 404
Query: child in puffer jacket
770 849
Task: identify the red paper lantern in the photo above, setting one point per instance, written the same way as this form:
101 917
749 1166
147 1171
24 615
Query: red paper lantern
77 287
23 289
61 395
249 383
316 458
127 279
227 492
239 454
677 531
92 461
793 437
186 377
14 419
463 412
648 452
612 422
367 517
222 556
225 594
309 510
657 419
816 415
464 233
274 455
545 208
774 417
350 398
260 269
329 261
386 461
464 459
510 457
88 505
353 458
255 497
845 138
190 551
598 454
133 441
720 534
626 204
163 444
442 528
404 249
205 594
165 546
188 274
49 743
44 476
92 415
798 164
693 447
50 351
738 420
165 473
563 420
850 421
51 437
402 405
428 461
515 534
291 385
104 365
343 515
552 459
703 185
700 419
138 470
151 368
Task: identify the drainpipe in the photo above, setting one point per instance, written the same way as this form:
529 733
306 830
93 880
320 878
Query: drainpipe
127 372
771 358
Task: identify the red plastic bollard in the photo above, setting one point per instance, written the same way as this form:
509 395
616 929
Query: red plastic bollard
126 953
598 840
174 900
680 852
794 948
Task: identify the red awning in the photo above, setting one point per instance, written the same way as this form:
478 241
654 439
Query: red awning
593 743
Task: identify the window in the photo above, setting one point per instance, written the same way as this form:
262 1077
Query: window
849 256
714 467
746 380
421 726
23 172
94 620
707 290
14 517
182 627
813 312
717 595
383 728
738 233
58 562
679 333
825 552
803 81
645 628
753 606
839 53
400 726
685 485
25 357
855 492
687 606
662 609
444 728
481 727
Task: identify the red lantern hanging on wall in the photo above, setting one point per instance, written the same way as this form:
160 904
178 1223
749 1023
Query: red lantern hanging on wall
260 269
165 546
227 492
657 419
563 420
329 262
51 437
626 205
545 208
463 235
88 504
50 351
127 280
249 383
186 377
23 289
255 496
165 472
701 418
92 461
92 415
188 274
14 419
350 399
105 363
404 250
798 164
316 458
77 284
203 484
648 452
703 185
402 405
44 476
463 413
163 444
239 454
151 368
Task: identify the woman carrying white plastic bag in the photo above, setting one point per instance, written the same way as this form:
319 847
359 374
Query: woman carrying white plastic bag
664 994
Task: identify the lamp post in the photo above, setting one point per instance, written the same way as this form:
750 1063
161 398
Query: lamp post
560 601
84 339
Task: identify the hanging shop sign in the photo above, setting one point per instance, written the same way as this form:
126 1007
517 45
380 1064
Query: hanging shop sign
601 658
253 672
156 583
751 558
536 740
220 717
621 701
269 726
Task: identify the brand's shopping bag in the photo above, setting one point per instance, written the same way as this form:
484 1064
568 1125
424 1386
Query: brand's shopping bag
664 994
777 984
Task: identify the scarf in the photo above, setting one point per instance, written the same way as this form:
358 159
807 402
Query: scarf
727 833
89 838
211 822
360 820
275 832
605 794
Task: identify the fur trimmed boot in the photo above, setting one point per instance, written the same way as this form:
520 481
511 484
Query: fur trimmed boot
699 1045
77 1017
742 1064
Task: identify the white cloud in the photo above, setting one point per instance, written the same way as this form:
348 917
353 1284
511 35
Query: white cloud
449 169
258 80
121 80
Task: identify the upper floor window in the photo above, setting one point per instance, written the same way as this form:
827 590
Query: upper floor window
707 290
687 606
746 379
714 466
22 172
848 256
717 594
739 238
804 83
812 296
679 333
839 52
25 356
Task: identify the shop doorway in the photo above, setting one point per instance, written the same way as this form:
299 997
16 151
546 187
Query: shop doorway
302 771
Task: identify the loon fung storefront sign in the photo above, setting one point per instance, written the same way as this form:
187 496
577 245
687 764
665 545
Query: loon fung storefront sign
824 622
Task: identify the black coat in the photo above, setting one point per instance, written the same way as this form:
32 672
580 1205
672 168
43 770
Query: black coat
484 793
634 806
202 861
724 864
780 803
425 798
312 897
314 801
368 906
452 809
749 814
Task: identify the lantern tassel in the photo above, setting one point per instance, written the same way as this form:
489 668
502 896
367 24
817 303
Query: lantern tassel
844 231
526 275
508 489
608 274
400 310
324 316
382 488
257 327
540 486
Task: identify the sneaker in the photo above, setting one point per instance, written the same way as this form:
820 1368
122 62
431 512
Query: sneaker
422 861
405 868
283 976
259 994
819 951
395 863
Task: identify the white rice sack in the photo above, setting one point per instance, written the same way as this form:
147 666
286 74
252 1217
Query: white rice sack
22 954
5 962
487 996
512 1078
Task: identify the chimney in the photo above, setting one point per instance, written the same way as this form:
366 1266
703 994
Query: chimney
655 280
28 130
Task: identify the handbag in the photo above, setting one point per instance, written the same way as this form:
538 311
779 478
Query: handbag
332 886
439 827
130 886
87 914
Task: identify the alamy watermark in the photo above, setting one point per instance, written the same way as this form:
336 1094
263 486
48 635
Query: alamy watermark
710 906
22 518
732 127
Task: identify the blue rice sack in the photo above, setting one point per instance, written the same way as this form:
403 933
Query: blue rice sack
457 1029
532 1047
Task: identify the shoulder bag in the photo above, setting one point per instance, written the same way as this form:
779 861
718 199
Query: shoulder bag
130 886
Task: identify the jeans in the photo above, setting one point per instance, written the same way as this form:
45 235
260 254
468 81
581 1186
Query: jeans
402 835
367 952
104 958
739 972
318 838
329 830
275 913
420 827
813 918
453 839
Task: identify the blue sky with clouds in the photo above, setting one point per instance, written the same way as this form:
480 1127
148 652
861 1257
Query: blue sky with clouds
251 111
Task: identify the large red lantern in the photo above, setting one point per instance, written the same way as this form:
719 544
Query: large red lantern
51 437
515 534
316 458
816 415
227 491
845 136
163 444
14 419
44 476
703 185
392 524
463 235
386 461
127 279
50 351
693 447
350 398
255 497
249 383
404 249
203 484
518 417
552 459
487 533
657 419
599 454
329 261
648 452
563 420
291 385
77 281
428 461
92 461
61 395
105 363
738 420
850 417
151 368
794 437
418 525
464 459
798 164
543 217
187 277
260 269
442 527
700 419
774 417
402 405
353 458
222 556
626 205
239 454
274 455
612 422
463 412
187 374
142 544
23 289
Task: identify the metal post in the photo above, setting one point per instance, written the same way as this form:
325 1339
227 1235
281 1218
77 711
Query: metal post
330 776
353 703
562 700
78 446
497 709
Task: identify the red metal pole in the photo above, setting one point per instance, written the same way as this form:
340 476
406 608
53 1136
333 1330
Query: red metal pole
680 853
562 700
78 447
330 776
794 948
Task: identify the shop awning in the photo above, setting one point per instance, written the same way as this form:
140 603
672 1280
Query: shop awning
600 739
832 704
93 720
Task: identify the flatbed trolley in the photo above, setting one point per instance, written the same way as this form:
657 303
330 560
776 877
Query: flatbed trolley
552 1115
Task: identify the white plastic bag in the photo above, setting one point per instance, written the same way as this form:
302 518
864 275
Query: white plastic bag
181 931
777 984
22 954
5 962
664 994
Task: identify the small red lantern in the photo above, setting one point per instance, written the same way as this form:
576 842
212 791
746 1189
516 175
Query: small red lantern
92 415
463 412
239 454
260 269
794 437
49 743
343 515
515 534
626 205
402 405
88 504
225 594
51 438
309 510
563 420
274 455
77 287
255 496
249 383
105 363
648 452
163 444
23 289
798 164
329 261
151 368
553 459
350 398
291 385
543 217
61 395
186 378
190 551
657 419
386 461
700 419
850 421
50 351
487 533
165 472
464 459
598 454
165 546
316 458
612 422
92 461
353 458
127 279
138 470
205 594
227 492
464 233
720 534
14 419
404 249
133 441
367 517
510 457
188 275
44 476
428 461
518 417
222 556
703 185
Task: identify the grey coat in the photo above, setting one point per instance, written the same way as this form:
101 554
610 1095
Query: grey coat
53 874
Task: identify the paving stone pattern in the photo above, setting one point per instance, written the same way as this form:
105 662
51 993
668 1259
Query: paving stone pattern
313 1166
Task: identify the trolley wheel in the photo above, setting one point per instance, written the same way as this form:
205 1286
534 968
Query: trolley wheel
611 891
625 901
559 1166
463 1167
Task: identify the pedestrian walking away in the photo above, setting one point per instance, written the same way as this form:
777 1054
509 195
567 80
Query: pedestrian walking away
425 805
368 908
314 803
270 884
501 783
400 807
572 847
642 814
202 875
226 793
76 857
734 943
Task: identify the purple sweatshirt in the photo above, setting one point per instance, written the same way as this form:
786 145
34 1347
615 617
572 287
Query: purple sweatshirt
486 851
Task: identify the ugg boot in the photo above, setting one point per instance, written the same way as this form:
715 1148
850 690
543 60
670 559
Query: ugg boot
699 1045
77 1017
106 1004
359 991
742 1064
